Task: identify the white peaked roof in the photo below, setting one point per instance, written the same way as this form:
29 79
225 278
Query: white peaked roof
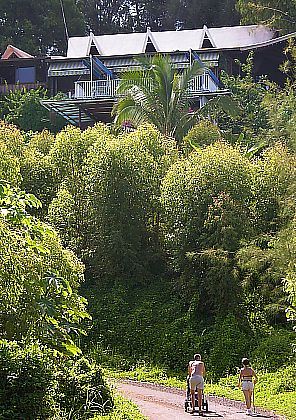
170 41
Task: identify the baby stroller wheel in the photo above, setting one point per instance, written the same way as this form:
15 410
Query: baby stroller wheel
186 406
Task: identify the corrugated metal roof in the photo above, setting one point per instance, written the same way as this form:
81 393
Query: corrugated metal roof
209 56
84 112
171 41
273 41
125 63
122 64
67 68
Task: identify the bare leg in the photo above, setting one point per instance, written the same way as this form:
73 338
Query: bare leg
247 398
250 396
192 399
199 393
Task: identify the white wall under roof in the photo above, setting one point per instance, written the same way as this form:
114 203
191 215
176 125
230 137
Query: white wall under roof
171 41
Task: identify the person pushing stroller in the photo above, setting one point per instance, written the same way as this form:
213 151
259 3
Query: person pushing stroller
196 373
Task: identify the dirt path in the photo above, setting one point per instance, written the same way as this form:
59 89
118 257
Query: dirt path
161 403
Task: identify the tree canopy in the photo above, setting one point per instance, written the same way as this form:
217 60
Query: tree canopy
278 14
38 28
158 95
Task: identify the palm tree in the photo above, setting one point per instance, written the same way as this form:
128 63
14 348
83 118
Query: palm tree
158 95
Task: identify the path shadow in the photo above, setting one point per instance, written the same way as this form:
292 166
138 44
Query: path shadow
214 414
207 415
258 415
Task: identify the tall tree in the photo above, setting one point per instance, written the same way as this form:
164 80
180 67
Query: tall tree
183 14
106 16
147 13
109 16
280 14
38 27
190 14
158 95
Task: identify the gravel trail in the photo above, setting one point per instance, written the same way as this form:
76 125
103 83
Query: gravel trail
157 402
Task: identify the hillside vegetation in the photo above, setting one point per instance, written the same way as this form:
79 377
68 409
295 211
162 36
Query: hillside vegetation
127 250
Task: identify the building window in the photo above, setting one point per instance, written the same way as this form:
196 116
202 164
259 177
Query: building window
94 50
25 75
150 47
207 42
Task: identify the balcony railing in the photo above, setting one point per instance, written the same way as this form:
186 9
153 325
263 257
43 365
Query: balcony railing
202 83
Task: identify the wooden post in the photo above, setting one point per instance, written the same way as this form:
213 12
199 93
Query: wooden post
91 74
79 117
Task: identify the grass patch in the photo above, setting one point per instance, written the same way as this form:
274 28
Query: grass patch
274 391
123 410
146 373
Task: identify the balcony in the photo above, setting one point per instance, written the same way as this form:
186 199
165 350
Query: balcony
99 89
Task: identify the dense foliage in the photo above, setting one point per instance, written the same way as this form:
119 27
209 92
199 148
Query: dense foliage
37 383
277 14
38 27
210 224
108 17
39 278
187 247
23 108
42 314
132 209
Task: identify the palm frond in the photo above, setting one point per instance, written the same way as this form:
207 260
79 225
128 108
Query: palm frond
127 110
224 103
160 95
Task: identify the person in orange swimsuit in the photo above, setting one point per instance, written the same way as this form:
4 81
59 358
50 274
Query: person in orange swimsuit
247 380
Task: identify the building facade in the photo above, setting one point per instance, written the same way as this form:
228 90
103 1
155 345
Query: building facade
86 79
20 70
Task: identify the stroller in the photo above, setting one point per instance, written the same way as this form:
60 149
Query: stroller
187 402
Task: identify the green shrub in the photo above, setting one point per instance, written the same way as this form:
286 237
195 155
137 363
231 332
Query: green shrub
83 390
11 148
9 166
143 324
249 95
202 134
274 351
23 108
227 342
123 188
123 410
28 388
205 198
286 380
13 138
37 171
38 383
